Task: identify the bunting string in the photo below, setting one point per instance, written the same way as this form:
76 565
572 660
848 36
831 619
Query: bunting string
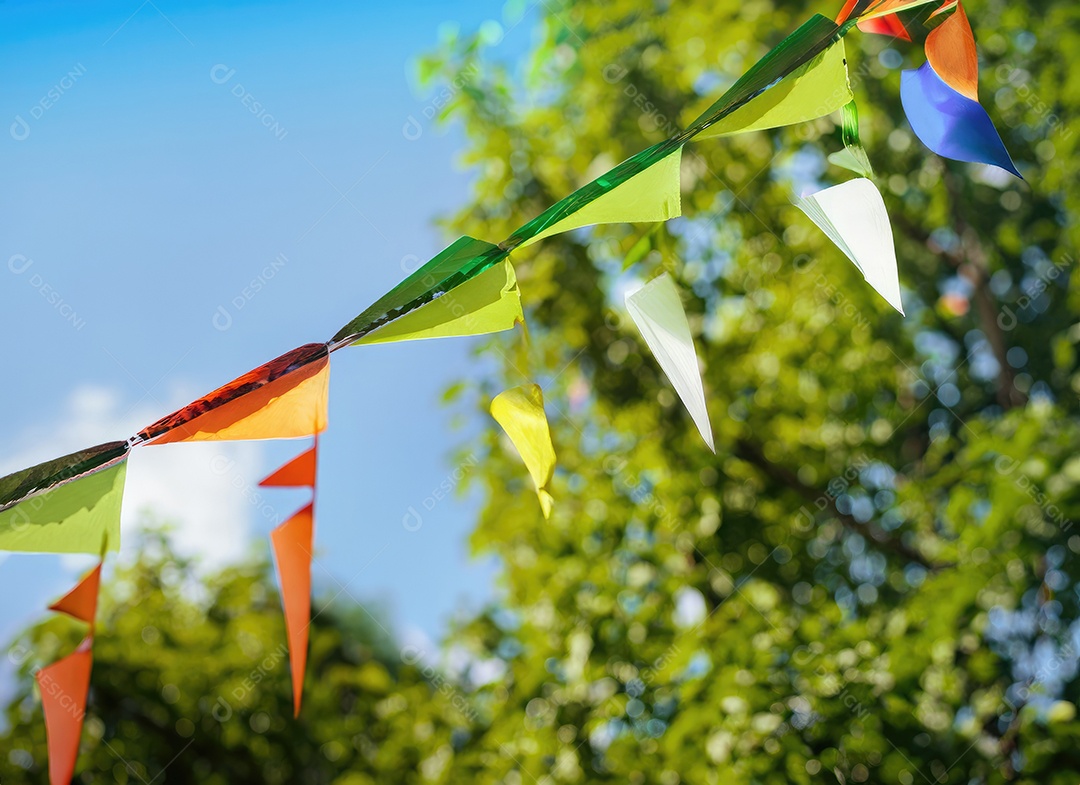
72 504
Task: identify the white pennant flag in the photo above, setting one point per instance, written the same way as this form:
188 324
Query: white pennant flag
657 311
853 215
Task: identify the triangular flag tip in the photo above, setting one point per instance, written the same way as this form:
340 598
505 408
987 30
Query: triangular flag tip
297 473
81 602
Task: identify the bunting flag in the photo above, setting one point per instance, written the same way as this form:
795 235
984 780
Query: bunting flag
72 504
813 90
67 505
950 124
64 686
883 25
853 156
293 542
853 216
798 49
657 310
468 257
520 412
879 8
651 195
463 259
81 602
488 303
950 50
886 25
297 473
285 398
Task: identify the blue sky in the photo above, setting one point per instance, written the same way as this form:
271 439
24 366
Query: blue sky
193 189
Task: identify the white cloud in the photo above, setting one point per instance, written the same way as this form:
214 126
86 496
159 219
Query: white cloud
207 491
690 608
418 648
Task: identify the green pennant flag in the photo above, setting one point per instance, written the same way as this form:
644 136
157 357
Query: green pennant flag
67 505
488 303
463 259
812 90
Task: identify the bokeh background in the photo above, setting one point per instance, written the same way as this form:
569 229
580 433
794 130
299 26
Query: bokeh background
874 580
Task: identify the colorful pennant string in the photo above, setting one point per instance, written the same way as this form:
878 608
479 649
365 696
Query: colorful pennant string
468 257
883 25
72 504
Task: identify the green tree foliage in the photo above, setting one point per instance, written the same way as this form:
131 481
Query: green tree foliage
874 578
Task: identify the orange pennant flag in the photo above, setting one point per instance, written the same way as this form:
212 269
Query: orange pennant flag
883 25
950 48
886 25
292 543
284 398
81 602
297 473
64 686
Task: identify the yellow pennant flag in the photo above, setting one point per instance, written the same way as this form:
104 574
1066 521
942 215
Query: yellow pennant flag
813 90
651 195
520 412
488 303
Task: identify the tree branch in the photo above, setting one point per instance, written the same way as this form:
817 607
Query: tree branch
969 261
751 452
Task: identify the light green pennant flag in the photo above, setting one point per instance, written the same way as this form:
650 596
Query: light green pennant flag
68 505
853 156
488 303
651 195
462 260
812 90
